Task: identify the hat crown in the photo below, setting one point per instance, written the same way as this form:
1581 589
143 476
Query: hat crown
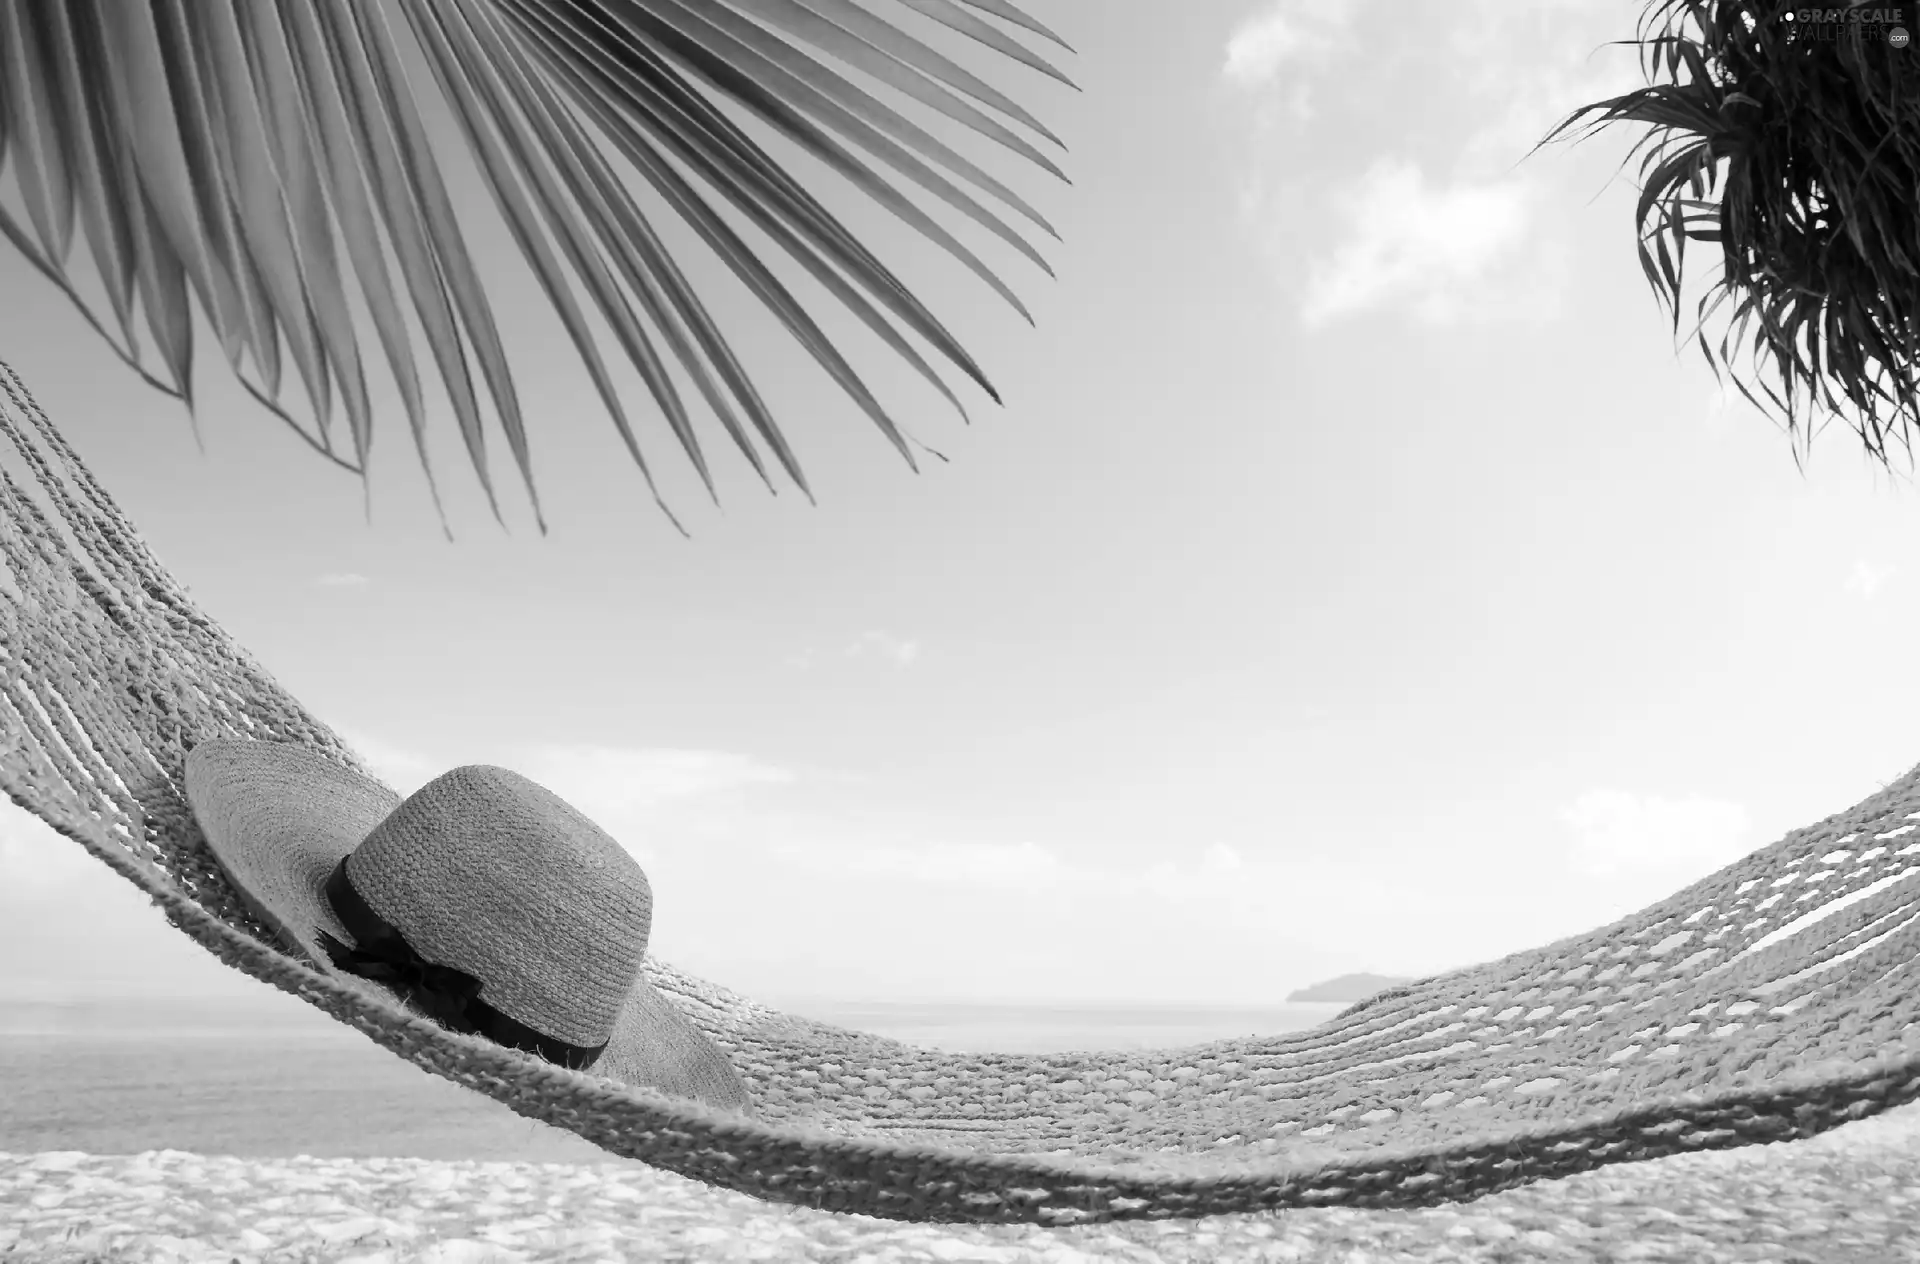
486 871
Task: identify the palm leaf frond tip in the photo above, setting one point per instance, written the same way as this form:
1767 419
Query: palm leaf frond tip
247 157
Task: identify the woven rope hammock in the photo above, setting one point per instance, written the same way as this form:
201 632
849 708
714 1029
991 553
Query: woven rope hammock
1694 1024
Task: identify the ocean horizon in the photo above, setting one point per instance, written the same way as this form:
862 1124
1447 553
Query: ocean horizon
261 1079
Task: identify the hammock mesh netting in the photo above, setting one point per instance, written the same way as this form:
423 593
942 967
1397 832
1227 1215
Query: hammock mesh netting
1745 1008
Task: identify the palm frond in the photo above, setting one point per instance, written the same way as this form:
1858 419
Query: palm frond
1816 131
247 156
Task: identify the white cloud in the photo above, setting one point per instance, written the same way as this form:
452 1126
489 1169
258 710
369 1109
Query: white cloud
640 796
1220 873
1447 241
35 860
1221 859
1725 405
1411 245
944 863
1522 83
403 770
1616 833
899 649
1261 46
621 781
1215 873
344 579
1866 578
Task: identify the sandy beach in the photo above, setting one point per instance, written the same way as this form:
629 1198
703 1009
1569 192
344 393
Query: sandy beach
1851 1196
205 1141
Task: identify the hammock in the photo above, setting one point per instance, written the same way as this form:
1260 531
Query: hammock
1730 1013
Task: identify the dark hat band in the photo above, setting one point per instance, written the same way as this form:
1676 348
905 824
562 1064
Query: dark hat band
448 995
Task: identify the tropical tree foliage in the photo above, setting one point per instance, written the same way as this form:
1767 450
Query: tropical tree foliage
246 156
1811 135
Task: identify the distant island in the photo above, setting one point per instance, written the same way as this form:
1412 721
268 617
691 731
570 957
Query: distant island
1347 989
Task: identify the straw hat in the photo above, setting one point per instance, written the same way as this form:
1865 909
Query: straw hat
483 901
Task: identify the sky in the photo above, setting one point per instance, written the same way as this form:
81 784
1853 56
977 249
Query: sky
1360 574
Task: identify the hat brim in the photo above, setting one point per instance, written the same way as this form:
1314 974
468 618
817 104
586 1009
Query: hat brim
280 817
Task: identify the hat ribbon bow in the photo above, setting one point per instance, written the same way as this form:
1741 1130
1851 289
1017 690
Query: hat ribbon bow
446 994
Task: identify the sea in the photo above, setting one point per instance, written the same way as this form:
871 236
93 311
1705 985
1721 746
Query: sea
282 1080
